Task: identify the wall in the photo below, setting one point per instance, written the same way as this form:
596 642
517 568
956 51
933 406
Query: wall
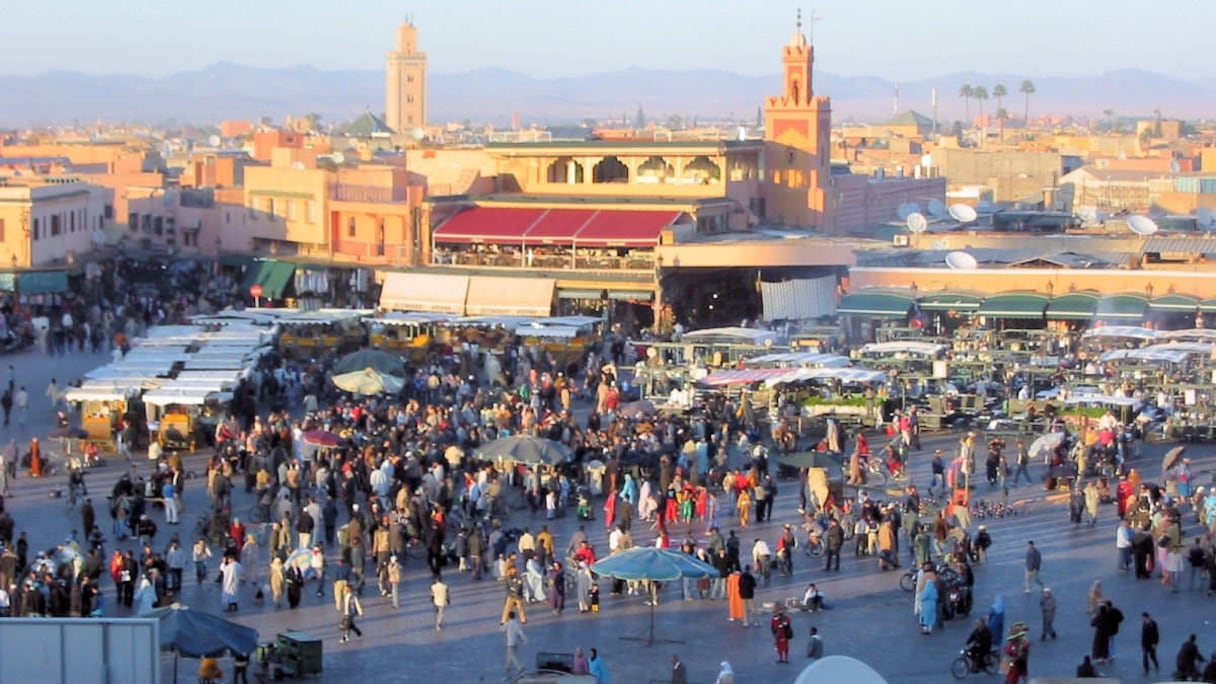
1195 280
862 202
1012 175
72 651
285 204
76 207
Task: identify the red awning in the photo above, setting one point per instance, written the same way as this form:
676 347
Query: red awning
580 227
488 224
625 228
559 226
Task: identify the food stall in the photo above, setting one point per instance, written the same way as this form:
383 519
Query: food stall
101 406
181 417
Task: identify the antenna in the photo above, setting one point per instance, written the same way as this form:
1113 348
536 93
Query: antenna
810 23
895 109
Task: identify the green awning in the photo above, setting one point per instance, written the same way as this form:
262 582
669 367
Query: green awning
1074 306
579 294
1175 302
1014 305
42 282
273 276
875 305
947 300
1125 307
236 260
1208 305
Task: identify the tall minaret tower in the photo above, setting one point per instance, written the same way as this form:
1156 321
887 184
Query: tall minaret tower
797 130
405 82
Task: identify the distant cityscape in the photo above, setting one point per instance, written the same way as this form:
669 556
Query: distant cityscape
646 211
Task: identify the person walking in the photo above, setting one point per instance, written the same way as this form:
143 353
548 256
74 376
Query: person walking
1034 563
1047 604
393 572
514 600
833 545
782 631
441 597
814 646
1149 637
515 638
351 609
747 592
230 576
679 673
1186 663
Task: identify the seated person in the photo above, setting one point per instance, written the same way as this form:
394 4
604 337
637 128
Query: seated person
209 670
813 599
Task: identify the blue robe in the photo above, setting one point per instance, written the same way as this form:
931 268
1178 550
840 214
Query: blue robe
928 605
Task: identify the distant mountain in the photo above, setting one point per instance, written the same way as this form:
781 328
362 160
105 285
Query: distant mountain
234 91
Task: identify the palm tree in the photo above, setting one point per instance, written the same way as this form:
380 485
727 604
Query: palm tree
1109 114
967 92
1027 89
999 92
1002 115
980 95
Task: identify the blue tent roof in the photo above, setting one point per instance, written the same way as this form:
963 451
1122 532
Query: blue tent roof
195 634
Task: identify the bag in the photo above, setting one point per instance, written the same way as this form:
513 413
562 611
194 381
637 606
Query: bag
345 623
787 630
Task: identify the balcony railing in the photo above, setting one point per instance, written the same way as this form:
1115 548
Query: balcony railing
555 262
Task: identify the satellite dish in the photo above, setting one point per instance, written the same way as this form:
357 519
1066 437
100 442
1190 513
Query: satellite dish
1204 216
338 158
903 211
418 134
298 166
1175 167
916 222
961 261
937 209
962 213
214 141
1142 225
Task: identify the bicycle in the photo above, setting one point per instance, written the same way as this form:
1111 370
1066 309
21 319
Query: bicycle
963 666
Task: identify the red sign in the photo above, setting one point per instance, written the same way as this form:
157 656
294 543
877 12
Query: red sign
255 290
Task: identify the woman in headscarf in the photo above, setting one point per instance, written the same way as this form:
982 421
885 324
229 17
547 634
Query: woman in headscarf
249 560
996 616
583 582
145 596
928 607
647 504
557 588
277 580
534 578
1095 597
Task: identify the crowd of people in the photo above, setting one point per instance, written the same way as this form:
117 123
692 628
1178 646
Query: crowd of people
397 490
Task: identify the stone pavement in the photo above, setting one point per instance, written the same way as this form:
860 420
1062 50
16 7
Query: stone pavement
869 617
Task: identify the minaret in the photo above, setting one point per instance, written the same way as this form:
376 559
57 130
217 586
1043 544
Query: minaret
405 82
797 130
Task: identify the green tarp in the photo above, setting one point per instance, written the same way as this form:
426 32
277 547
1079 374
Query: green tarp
1175 302
8 282
273 276
875 305
1073 306
1014 305
1122 307
42 282
947 300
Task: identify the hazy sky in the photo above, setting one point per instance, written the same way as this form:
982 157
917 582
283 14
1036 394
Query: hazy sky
894 39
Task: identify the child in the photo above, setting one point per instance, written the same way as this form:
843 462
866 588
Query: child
595 597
